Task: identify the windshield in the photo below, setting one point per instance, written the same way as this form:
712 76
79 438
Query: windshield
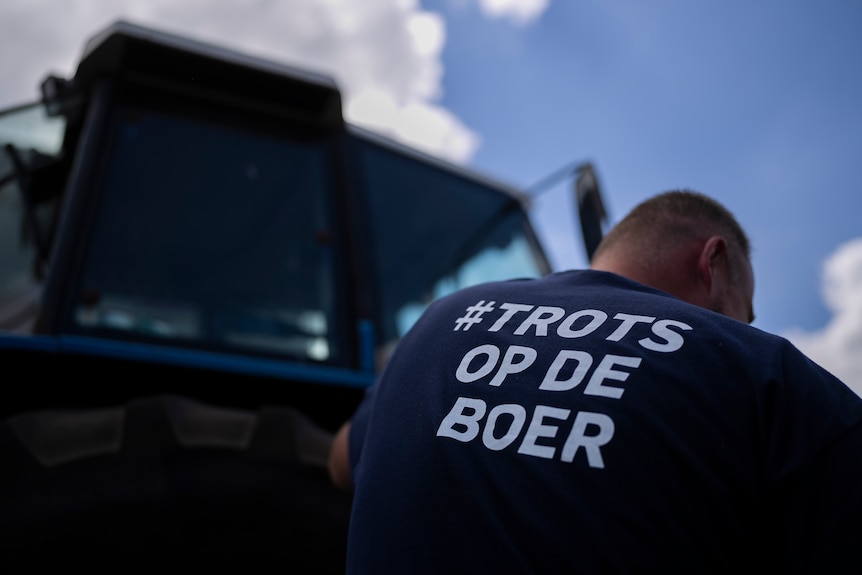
214 234
436 231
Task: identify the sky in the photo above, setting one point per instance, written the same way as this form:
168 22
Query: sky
755 103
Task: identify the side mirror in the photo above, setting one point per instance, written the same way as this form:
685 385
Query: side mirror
591 208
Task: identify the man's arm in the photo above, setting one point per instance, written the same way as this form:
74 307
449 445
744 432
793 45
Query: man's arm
339 459
340 463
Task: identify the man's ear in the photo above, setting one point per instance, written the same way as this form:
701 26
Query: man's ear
712 266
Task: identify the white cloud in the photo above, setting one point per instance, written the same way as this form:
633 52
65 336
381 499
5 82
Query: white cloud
389 47
518 11
418 124
838 346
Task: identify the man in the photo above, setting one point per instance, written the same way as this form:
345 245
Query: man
623 419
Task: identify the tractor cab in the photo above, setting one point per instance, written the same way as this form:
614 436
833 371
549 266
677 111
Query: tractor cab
202 268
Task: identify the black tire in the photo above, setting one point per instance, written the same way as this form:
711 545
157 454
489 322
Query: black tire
164 482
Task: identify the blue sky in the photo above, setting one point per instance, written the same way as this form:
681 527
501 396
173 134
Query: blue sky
756 103
759 107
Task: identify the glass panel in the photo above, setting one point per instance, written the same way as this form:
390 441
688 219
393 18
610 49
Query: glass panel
213 235
29 128
436 231
29 136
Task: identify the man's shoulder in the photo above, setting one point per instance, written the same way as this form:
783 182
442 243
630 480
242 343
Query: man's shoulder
576 294
557 283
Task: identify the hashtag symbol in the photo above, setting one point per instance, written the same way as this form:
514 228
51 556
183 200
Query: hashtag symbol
473 315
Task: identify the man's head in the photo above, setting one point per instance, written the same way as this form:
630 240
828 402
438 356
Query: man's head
686 244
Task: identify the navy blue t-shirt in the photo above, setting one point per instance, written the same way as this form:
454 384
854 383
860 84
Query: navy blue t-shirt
585 423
